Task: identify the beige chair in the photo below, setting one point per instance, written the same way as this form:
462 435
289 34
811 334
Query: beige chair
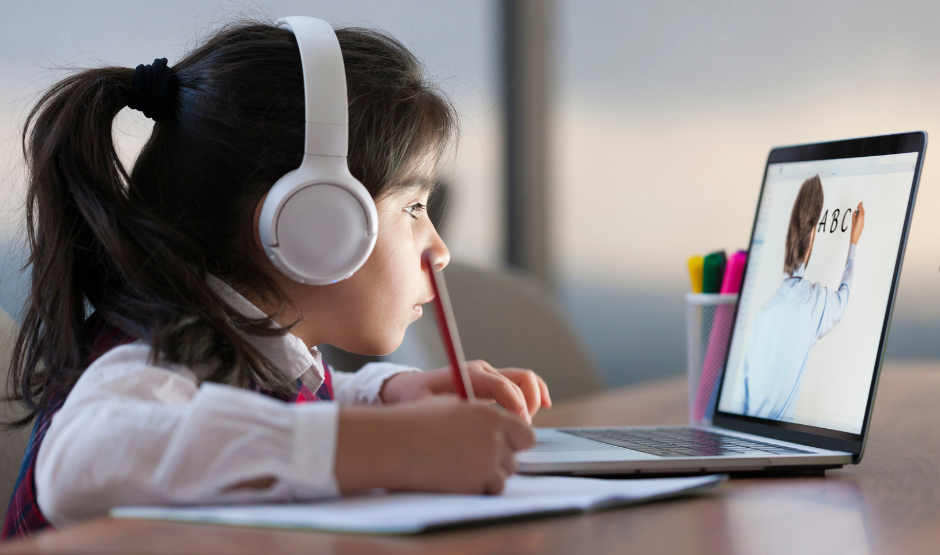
12 442
505 319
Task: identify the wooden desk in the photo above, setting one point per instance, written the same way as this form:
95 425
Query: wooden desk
890 503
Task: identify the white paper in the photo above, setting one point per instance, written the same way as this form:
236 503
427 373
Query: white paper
406 513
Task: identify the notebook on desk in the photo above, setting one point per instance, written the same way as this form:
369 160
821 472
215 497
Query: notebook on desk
408 513
808 338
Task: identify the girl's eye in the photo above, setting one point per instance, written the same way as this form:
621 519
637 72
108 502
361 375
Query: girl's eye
415 209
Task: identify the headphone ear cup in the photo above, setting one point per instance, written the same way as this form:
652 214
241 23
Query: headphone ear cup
322 234
318 223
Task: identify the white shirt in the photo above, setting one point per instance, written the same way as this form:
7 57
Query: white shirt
136 433
784 331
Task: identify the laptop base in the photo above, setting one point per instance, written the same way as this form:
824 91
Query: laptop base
794 472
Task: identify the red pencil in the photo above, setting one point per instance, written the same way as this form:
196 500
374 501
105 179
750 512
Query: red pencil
448 328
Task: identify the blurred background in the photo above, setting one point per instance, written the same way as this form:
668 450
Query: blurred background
603 142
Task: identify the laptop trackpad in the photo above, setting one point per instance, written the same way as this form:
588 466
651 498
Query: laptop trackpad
550 440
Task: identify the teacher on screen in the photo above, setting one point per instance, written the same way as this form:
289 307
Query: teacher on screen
800 312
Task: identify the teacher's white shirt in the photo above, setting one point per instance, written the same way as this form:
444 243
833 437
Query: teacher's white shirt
783 332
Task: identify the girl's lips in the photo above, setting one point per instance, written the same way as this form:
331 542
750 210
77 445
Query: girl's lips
418 310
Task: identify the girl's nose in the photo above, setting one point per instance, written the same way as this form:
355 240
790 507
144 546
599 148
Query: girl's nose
439 255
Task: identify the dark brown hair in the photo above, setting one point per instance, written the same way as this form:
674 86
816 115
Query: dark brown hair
806 210
135 248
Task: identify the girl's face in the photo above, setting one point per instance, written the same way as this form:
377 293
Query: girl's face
368 313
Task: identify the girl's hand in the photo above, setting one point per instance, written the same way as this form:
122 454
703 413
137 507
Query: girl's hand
439 444
521 392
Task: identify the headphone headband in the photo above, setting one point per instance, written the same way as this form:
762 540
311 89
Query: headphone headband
327 119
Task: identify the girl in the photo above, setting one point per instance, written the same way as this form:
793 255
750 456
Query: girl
164 357
800 313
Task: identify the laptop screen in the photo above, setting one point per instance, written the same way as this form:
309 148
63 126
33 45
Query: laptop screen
818 281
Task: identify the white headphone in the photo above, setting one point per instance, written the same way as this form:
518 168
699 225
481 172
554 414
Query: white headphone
318 223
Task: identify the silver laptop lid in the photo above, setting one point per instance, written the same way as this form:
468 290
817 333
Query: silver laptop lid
816 297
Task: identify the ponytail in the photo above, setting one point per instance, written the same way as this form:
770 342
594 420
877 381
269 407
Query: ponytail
95 245
74 204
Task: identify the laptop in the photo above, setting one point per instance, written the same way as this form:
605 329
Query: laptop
807 342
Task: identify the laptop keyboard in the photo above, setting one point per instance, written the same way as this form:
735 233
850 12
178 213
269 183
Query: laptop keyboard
681 442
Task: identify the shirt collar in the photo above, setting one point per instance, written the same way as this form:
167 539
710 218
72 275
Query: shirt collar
287 352
799 272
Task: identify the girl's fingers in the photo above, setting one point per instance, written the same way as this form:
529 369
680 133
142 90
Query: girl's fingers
543 388
506 458
509 464
495 485
528 382
518 435
531 385
517 390
490 385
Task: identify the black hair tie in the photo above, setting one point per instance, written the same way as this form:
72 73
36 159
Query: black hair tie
153 90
